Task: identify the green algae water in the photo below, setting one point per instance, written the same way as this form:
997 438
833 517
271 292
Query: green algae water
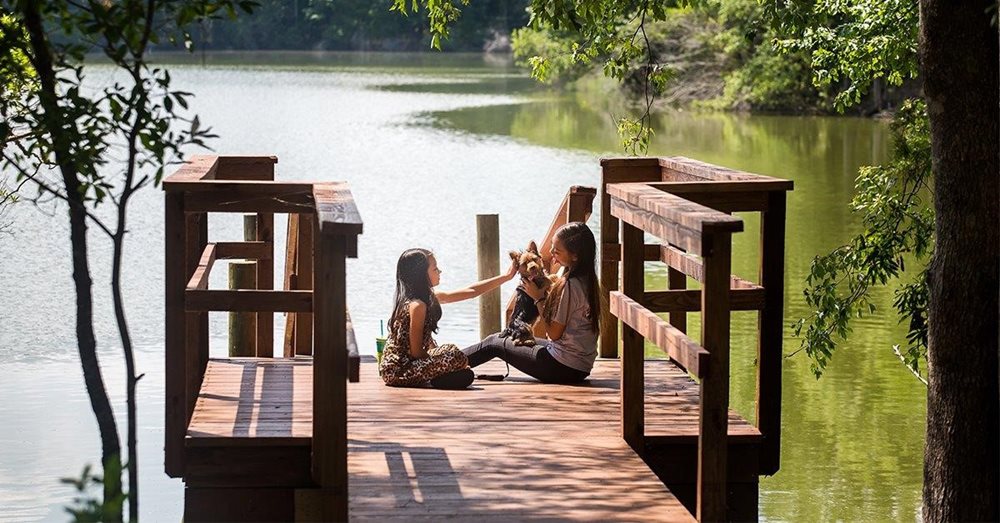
427 142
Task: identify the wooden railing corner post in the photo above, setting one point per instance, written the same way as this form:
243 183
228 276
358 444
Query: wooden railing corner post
633 357
175 320
770 324
608 340
713 440
329 441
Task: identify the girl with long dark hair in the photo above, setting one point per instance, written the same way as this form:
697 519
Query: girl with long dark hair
411 356
571 312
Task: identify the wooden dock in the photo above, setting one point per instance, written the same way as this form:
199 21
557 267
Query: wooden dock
282 439
501 451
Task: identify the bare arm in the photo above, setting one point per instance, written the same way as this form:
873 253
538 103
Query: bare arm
476 289
418 312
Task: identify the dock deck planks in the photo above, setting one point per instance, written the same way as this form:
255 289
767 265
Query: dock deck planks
510 450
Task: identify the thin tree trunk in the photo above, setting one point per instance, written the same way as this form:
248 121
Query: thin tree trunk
86 341
959 62
131 378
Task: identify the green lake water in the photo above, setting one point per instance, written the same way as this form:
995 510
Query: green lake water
428 141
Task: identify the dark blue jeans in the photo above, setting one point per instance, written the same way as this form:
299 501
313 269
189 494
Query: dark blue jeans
535 361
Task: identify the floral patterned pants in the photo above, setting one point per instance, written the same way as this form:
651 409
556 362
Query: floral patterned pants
403 371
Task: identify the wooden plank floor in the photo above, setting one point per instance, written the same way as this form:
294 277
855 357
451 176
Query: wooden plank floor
510 450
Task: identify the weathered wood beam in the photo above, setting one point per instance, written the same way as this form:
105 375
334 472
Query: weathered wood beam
236 200
246 167
689 300
244 300
255 250
674 343
337 212
199 280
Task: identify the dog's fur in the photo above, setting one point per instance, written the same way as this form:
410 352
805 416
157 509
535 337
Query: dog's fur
531 267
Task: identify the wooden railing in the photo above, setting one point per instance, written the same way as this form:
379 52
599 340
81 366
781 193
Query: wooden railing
214 184
685 204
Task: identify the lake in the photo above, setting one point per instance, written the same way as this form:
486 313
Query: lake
428 141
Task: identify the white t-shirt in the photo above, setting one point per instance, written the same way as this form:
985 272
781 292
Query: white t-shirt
577 347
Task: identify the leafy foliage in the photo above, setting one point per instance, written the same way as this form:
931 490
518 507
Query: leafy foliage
898 225
140 106
359 25
86 144
851 43
86 507
759 76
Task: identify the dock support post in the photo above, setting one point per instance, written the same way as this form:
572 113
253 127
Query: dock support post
242 325
488 255
243 274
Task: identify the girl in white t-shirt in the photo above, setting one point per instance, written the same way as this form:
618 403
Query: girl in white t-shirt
571 313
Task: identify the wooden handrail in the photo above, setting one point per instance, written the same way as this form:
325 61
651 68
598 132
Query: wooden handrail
674 343
247 300
245 184
335 207
685 203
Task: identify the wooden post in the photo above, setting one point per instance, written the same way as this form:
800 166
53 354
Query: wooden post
329 441
243 337
203 344
632 379
608 340
677 280
769 325
176 418
192 328
291 280
242 325
713 440
616 170
488 255
306 253
265 281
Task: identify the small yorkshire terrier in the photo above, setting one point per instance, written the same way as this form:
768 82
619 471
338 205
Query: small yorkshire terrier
531 267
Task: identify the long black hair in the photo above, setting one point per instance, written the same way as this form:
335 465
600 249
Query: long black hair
412 283
579 241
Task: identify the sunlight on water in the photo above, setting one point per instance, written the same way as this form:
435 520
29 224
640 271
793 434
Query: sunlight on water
426 142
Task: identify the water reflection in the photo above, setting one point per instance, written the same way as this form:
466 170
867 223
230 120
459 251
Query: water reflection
437 139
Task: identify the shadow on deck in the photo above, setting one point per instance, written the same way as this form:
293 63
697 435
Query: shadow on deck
512 450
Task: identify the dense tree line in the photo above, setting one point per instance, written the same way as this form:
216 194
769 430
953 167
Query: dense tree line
353 25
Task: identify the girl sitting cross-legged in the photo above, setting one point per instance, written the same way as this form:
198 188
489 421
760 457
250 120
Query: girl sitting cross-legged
411 356
571 312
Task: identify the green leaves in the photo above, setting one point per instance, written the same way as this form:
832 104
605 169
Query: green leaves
86 507
898 225
851 43
440 13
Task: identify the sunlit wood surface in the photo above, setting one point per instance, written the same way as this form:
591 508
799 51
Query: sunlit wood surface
511 450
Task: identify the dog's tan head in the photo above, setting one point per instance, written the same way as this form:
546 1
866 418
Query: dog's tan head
529 263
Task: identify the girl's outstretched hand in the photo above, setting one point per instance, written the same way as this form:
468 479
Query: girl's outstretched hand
512 271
